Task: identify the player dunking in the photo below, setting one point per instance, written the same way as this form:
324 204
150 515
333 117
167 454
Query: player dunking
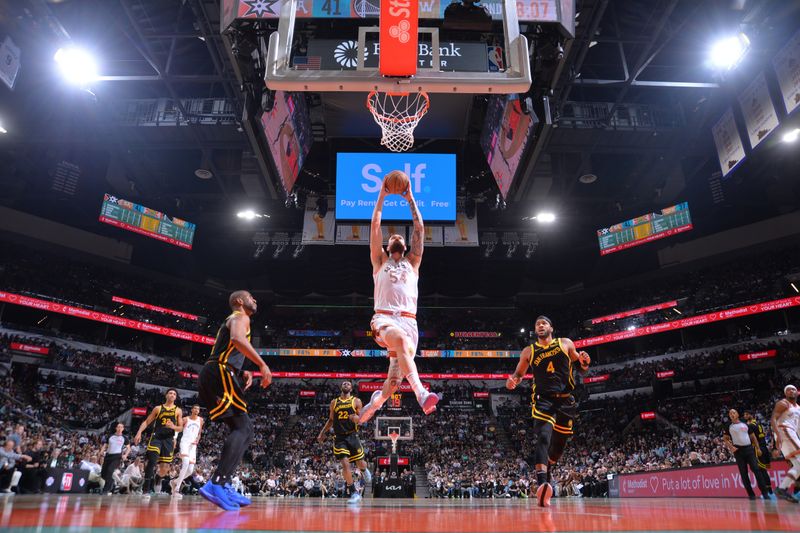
343 417
785 424
553 406
192 427
221 392
395 320
168 419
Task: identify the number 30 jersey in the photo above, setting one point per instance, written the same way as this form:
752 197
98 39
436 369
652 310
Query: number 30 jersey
552 368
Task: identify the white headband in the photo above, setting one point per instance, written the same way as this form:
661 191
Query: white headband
787 387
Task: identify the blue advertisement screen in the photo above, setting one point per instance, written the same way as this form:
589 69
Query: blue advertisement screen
359 177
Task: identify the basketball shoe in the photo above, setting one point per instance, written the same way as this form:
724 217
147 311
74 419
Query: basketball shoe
428 402
543 494
369 410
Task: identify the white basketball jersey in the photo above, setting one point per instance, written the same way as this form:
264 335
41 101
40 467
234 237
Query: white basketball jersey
396 287
790 418
191 429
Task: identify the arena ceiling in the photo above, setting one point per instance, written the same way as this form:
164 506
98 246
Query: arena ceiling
628 57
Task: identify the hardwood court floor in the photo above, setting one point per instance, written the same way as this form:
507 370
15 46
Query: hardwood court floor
96 514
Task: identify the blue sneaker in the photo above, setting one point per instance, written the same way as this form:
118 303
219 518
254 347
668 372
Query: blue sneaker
235 497
367 476
217 495
354 498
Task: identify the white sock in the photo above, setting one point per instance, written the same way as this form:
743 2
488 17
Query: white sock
416 385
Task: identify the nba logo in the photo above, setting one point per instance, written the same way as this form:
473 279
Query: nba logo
66 482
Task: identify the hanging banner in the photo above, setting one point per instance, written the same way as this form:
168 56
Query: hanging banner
317 229
352 234
9 62
463 233
766 354
634 312
708 318
30 348
114 320
758 110
157 309
434 236
787 68
382 375
730 149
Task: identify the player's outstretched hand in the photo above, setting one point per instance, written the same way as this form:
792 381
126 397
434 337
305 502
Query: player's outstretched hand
585 360
511 383
266 377
248 379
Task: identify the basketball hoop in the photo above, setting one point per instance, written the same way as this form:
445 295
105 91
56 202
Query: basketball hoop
397 114
394 436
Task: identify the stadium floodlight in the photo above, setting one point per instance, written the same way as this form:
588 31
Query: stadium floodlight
727 52
795 288
2 129
522 330
249 214
77 65
545 217
791 135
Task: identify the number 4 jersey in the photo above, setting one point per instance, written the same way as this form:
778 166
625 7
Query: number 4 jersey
552 368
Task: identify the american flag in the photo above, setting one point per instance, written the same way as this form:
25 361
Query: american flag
308 62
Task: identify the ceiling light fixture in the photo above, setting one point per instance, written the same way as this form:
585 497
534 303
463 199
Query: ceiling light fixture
727 52
791 135
249 214
77 66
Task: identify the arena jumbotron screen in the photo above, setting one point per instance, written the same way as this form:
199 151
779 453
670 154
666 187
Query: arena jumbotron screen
646 228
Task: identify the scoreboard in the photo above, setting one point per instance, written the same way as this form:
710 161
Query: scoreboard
646 228
154 224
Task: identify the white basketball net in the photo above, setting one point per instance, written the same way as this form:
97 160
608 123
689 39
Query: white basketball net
398 114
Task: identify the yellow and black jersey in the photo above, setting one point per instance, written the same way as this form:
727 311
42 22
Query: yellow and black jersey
160 430
224 352
342 410
552 369
761 436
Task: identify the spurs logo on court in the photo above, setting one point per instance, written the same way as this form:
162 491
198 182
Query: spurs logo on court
400 31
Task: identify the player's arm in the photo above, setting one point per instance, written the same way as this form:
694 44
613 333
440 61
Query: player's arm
200 431
238 325
179 419
146 422
582 358
780 407
726 440
126 452
754 443
522 367
376 254
357 405
328 423
418 233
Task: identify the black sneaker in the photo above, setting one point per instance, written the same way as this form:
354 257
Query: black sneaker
786 495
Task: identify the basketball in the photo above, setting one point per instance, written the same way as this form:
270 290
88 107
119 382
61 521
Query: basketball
396 182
